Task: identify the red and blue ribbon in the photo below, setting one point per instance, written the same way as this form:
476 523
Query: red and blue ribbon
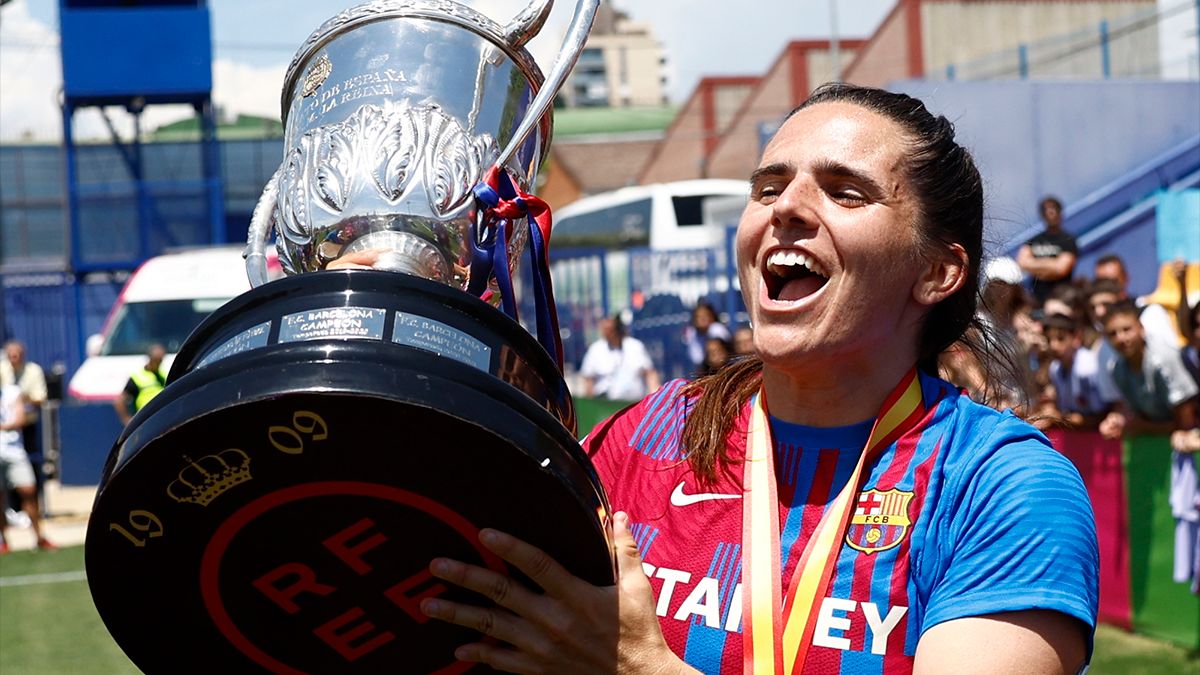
502 204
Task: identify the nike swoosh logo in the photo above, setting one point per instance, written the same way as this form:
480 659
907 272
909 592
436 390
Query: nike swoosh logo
680 498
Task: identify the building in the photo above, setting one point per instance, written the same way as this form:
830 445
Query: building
683 152
622 64
721 128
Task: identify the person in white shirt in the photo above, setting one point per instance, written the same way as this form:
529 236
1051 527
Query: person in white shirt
617 366
15 470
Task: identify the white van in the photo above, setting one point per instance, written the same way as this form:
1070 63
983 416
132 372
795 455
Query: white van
164 300
662 216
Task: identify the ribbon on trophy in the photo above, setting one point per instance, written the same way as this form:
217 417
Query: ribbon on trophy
501 204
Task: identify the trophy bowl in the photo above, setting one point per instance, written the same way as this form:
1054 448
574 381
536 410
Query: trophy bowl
324 436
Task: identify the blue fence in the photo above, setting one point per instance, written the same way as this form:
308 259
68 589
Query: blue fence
33 219
53 315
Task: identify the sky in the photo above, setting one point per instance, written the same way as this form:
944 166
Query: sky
254 41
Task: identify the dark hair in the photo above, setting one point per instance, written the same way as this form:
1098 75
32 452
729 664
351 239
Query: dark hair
1103 286
618 324
949 190
1060 321
1121 308
1110 258
706 306
1049 199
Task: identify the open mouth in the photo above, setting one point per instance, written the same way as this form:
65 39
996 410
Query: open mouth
792 275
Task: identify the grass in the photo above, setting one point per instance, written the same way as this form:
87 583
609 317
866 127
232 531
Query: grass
51 628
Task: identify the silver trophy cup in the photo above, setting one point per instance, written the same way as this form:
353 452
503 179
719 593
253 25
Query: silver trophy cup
394 110
322 437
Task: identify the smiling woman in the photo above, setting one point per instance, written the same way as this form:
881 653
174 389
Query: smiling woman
827 505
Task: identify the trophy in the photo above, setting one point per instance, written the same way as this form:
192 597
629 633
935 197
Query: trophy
325 435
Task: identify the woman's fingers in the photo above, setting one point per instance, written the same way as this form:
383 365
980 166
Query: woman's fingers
533 561
358 260
491 621
499 658
629 559
497 587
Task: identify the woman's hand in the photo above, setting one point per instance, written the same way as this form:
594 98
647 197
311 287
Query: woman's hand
572 627
358 260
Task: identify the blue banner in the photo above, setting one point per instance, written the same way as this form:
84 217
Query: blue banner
1178 225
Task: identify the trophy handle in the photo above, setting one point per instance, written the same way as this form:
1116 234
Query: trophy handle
527 24
260 232
577 33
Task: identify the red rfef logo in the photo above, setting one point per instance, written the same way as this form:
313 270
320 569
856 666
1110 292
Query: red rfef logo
880 520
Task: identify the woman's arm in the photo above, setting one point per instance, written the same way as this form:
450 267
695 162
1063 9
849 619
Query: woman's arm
1033 641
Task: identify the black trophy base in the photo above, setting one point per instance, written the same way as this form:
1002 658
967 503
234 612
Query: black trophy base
275 509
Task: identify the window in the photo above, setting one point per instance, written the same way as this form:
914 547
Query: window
167 322
621 225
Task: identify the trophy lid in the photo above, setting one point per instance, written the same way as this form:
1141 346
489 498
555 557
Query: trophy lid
508 40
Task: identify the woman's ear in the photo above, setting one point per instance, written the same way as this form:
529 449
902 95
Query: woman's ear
943 276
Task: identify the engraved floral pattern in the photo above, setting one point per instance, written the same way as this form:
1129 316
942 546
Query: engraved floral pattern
382 152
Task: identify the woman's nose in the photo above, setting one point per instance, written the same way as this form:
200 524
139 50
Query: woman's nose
794 207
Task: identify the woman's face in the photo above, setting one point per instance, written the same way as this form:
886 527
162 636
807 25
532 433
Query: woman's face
703 317
715 353
827 249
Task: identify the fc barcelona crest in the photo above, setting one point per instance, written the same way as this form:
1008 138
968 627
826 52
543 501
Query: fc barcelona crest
880 520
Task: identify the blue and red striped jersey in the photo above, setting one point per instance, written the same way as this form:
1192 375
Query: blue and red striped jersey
951 521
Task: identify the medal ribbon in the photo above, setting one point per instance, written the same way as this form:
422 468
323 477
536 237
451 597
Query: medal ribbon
776 638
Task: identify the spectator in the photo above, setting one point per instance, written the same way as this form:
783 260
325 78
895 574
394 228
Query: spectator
1066 300
1158 392
1154 317
1050 256
743 341
1189 323
144 384
1160 398
617 366
705 325
28 376
1081 397
717 353
15 469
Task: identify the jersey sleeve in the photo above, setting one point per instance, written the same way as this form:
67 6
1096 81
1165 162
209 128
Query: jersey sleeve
1180 385
648 427
1021 534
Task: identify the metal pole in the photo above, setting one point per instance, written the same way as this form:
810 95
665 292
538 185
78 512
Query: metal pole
835 52
1105 64
1023 60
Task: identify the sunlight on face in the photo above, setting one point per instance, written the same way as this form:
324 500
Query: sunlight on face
827 251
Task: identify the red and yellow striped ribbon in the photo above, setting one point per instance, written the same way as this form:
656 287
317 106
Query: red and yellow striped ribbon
777 636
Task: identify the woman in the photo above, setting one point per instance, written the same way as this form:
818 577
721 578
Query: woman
705 326
717 352
963 544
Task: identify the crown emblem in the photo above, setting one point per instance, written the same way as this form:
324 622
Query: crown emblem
207 478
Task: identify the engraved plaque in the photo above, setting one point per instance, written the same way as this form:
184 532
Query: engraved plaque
437 337
360 323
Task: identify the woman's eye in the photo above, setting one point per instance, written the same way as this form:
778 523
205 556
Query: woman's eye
848 195
766 193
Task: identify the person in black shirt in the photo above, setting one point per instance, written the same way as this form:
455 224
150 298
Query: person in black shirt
1050 256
